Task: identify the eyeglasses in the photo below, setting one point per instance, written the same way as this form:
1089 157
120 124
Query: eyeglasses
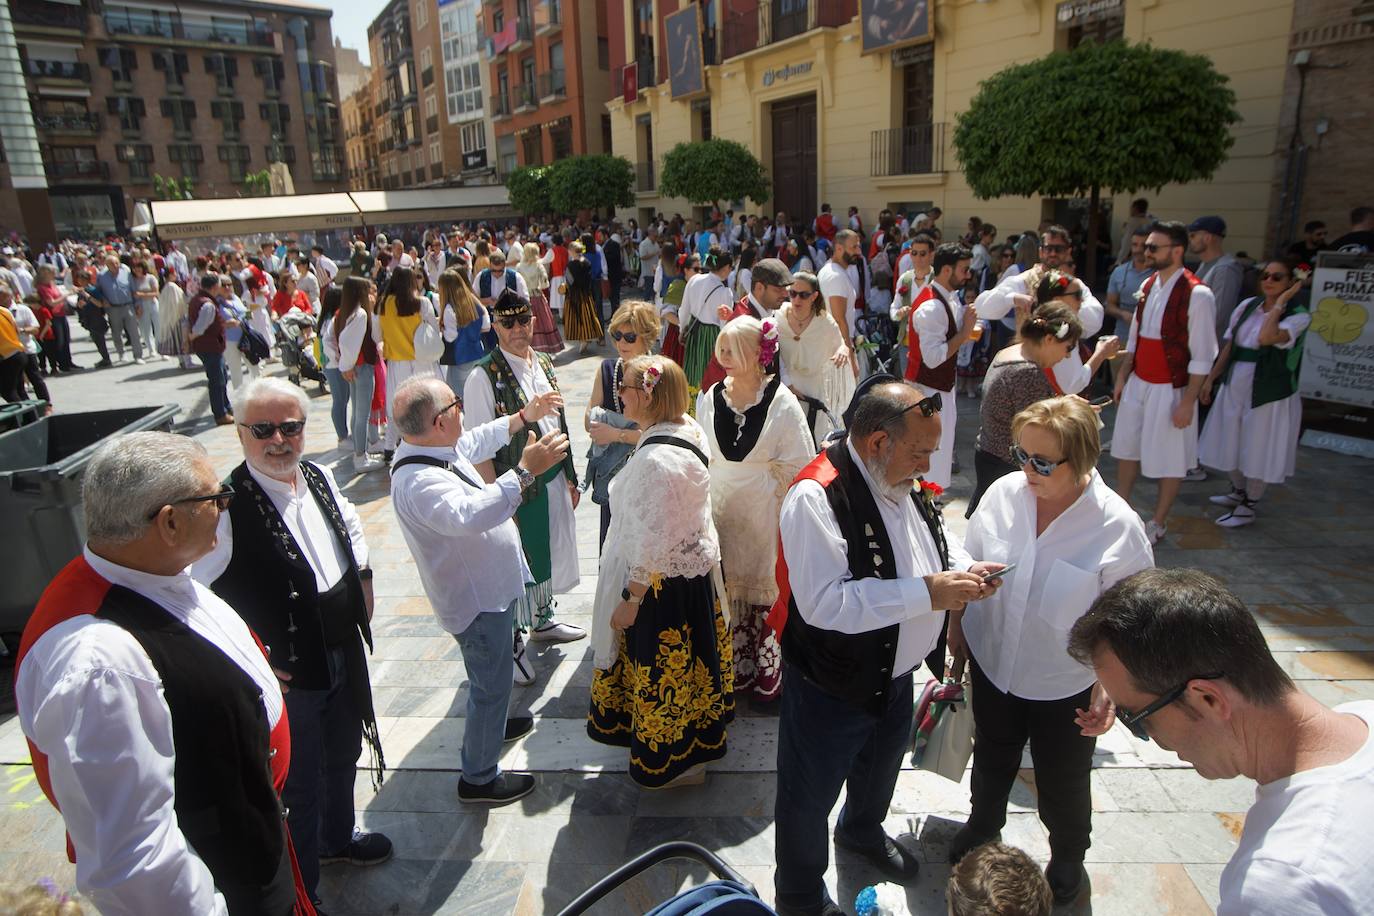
800 294
289 428
457 402
928 407
1042 466
1272 276
1055 247
221 499
1152 247
511 321
1135 721
628 336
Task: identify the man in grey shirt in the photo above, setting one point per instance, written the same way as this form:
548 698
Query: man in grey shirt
1222 273
115 284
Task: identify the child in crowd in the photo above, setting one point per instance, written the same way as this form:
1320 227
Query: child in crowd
998 880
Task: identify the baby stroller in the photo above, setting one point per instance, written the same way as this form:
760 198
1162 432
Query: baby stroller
295 334
731 895
880 334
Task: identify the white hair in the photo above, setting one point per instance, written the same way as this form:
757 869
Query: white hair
261 389
417 402
132 477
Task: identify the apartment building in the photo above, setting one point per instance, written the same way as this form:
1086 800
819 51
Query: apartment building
465 87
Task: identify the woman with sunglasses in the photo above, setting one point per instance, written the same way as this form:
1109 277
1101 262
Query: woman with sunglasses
1070 537
814 357
1252 429
1019 376
633 328
759 442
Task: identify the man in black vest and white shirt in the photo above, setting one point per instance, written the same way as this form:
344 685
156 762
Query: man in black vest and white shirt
865 572
292 560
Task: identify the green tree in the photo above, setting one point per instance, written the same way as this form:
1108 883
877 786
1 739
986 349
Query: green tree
173 188
529 190
713 172
596 182
258 184
1113 117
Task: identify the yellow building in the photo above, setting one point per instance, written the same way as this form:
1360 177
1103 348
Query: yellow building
835 125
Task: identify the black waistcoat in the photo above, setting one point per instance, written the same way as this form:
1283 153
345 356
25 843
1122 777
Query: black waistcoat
225 801
856 667
270 583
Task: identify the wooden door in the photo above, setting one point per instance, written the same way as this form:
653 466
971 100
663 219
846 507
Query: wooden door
794 158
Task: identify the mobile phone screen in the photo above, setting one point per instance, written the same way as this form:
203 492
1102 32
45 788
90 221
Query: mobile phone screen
994 576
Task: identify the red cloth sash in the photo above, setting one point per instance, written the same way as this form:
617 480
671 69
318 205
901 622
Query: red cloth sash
1151 364
824 473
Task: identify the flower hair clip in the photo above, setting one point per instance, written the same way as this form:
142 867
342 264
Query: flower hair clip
1062 332
649 381
768 342
1302 272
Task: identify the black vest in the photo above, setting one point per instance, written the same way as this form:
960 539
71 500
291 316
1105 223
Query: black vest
270 583
856 667
225 801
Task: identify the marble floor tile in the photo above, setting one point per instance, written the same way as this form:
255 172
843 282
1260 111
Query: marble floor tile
1144 837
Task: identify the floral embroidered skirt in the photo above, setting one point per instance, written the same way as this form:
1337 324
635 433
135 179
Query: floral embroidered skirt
670 694
758 657
546 336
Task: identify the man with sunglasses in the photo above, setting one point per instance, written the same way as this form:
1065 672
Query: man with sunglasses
494 280
291 558
1168 356
1187 666
155 721
768 290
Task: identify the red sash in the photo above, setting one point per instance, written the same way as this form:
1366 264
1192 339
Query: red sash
1151 364
823 472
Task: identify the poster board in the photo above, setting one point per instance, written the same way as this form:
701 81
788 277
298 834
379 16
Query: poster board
686 76
1338 357
888 24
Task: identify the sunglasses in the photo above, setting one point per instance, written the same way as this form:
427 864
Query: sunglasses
288 428
628 336
1055 247
222 499
457 402
1152 247
1272 276
1135 721
800 294
928 407
1042 466
511 321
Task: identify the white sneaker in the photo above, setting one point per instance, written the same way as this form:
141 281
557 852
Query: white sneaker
522 673
362 464
553 631
1154 531
345 444
140 361
1196 475
1234 498
376 447
1239 517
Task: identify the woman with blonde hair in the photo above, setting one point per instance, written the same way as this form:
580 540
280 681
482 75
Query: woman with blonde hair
394 324
581 321
759 442
465 318
546 337
664 682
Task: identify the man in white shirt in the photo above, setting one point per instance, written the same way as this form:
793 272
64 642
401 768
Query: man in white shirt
435 261
462 534
325 268
154 719
1186 665
291 558
866 569
496 279
838 290
941 324
911 279
649 251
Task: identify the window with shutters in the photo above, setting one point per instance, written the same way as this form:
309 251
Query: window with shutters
173 66
182 112
121 62
129 110
230 116
235 158
277 115
139 158
188 156
272 72
225 69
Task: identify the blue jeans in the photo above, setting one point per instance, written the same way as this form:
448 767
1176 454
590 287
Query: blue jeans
339 390
825 743
486 647
457 375
218 378
361 392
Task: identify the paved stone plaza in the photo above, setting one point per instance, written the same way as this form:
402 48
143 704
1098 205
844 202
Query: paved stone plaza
1160 833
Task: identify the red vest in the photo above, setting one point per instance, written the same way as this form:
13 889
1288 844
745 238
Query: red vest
941 378
559 265
715 372
1173 329
825 226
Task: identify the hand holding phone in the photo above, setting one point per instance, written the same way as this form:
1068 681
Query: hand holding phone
998 574
1100 402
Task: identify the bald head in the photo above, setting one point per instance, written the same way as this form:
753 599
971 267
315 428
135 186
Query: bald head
417 402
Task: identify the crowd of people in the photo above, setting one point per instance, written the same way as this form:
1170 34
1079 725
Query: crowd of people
772 452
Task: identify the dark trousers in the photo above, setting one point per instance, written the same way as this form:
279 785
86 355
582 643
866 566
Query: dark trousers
12 376
40 387
617 282
988 469
825 743
62 340
218 378
1062 758
326 739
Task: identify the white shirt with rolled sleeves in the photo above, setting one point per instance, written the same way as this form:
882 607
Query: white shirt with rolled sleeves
1019 634
835 282
827 597
1070 373
701 299
932 324
1305 848
306 522
90 699
1202 338
463 537
351 340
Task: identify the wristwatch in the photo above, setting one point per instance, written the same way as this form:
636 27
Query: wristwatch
526 478
626 595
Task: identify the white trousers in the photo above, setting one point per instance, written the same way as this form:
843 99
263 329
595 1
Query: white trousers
1145 430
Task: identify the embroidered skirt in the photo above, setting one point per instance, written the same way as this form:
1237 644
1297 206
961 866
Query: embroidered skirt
580 319
670 693
700 347
672 345
757 655
546 336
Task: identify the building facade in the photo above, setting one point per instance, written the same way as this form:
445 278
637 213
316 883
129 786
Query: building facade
465 87
550 79
210 92
859 111
360 139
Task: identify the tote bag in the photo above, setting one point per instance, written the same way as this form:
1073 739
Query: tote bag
944 729
429 343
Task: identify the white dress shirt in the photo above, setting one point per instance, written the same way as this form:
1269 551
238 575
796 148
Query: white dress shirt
932 324
1202 331
1020 634
498 283
827 596
834 281
704 293
305 521
90 699
996 303
463 537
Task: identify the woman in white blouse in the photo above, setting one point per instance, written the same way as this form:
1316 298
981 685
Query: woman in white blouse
759 442
1070 537
664 682
814 356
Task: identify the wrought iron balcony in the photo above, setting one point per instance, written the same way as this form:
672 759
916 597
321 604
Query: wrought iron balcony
524 98
57 70
80 170
88 123
548 17
49 15
553 85
915 150
500 105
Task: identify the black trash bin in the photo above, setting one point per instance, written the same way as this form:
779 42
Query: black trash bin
41 466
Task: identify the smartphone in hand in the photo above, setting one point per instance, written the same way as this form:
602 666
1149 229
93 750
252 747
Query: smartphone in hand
1101 402
997 574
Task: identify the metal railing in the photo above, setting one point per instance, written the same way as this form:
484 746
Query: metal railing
645 71
549 17
50 15
84 123
57 69
500 105
778 20
553 84
915 150
78 170
523 97
645 179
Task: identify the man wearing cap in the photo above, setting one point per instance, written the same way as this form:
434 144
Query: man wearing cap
768 285
1220 271
503 383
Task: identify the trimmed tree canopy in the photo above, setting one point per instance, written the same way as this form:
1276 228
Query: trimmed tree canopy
1116 116
529 190
713 171
598 182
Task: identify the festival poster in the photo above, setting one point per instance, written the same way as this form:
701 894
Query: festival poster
686 77
893 23
1338 356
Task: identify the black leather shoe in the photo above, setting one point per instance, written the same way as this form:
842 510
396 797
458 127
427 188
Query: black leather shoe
518 727
505 788
967 840
1066 879
895 862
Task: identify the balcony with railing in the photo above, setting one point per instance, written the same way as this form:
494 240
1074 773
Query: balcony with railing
514 36
77 123
57 70
49 15
524 99
500 106
645 180
773 21
553 85
915 150
645 71
80 170
548 17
